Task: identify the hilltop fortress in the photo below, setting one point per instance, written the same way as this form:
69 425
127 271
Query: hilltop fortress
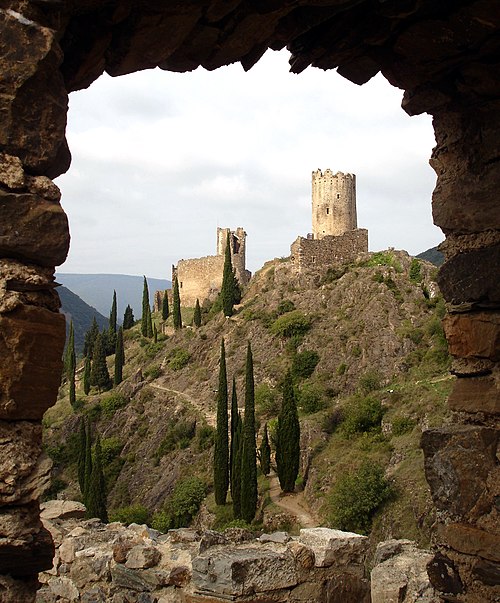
335 237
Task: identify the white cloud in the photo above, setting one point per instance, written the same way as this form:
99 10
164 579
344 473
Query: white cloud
160 159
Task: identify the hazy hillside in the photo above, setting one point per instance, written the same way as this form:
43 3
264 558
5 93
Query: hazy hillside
82 315
370 361
97 290
432 255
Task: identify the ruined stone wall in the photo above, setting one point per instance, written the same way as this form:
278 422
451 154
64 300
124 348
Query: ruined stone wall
199 279
333 203
329 251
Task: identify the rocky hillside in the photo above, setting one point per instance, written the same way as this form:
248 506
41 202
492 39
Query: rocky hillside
366 348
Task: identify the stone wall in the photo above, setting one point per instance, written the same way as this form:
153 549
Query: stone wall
310 254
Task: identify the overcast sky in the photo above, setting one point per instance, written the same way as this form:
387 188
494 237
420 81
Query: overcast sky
161 159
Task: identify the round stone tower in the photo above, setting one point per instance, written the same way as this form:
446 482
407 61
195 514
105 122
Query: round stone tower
333 203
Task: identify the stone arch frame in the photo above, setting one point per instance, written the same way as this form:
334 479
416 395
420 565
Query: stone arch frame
444 55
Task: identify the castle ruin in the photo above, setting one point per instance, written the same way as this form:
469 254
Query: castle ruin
201 278
335 237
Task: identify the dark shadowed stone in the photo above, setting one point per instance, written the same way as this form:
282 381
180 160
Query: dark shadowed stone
473 335
33 228
458 461
467 539
472 277
347 588
444 575
488 573
211 538
134 579
475 394
34 337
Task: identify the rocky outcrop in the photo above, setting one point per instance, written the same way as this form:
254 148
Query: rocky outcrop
443 54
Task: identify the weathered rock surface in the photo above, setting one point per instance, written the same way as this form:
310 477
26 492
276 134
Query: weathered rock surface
402 577
334 546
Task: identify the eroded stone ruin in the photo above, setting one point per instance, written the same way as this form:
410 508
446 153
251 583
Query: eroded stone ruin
444 55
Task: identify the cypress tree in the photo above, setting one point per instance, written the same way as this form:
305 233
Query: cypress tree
96 492
236 447
82 451
230 292
234 422
248 454
128 318
155 333
176 301
99 375
112 315
164 306
90 337
88 462
119 357
221 453
71 365
86 376
265 453
149 324
145 308
197 314
288 438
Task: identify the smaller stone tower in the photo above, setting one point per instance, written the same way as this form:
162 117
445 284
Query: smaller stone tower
237 239
333 203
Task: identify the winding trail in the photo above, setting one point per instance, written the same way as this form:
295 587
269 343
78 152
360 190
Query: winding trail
292 503
209 417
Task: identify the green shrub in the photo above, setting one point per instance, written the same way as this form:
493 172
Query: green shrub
383 258
205 437
290 324
341 369
181 506
153 372
378 277
178 436
415 272
304 363
310 398
266 400
356 497
402 425
152 349
370 381
110 404
333 274
285 305
393 288
332 420
110 449
362 414
178 359
131 514
93 412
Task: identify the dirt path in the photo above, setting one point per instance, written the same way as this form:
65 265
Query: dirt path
291 503
209 417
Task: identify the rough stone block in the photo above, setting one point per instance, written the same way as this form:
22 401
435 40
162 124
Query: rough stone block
33 228
458 463
475 394
473 335
472 277
242 570
142 557
467 539
334 546
348 588
33 340
62 509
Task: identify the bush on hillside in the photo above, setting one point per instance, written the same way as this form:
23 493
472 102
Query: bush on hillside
181 506
290 324
131 514
110 404
362 414
266 400
178 359
356 497
310 398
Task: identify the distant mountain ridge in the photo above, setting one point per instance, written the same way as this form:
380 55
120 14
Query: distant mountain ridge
82 315
432 255
97 290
